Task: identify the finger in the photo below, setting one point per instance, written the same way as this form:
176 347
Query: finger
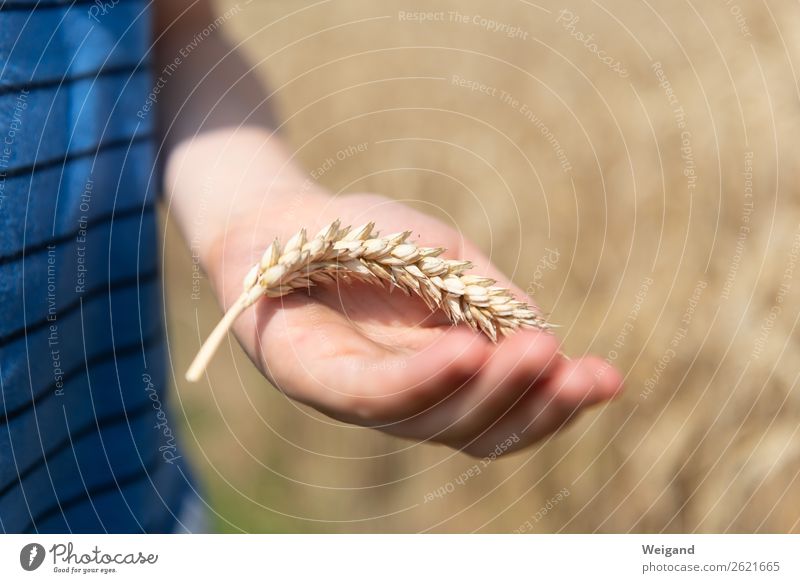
396 386
575 386
586 381
514 367
323 359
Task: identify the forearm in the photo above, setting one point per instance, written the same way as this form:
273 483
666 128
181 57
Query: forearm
219 147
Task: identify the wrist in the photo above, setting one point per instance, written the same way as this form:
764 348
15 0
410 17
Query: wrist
233 243
232 177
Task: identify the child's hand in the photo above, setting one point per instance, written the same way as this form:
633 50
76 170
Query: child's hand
379 359
355 352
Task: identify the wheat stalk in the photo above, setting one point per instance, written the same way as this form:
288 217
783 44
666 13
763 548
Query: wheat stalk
362 254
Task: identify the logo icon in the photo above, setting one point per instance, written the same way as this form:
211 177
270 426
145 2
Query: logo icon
31 556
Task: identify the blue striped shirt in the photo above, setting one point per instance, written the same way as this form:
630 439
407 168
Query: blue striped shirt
86 441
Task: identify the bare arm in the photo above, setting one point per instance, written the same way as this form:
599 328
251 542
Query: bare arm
217 128
355 353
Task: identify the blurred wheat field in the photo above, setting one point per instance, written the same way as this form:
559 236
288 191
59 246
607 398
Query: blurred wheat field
650 204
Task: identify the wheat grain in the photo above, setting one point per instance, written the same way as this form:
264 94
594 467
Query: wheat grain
362 254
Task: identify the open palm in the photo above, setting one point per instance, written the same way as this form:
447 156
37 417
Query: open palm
378 358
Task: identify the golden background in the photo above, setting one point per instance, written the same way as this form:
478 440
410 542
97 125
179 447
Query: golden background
674 214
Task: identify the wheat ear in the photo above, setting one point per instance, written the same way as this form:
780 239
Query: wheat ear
362 254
